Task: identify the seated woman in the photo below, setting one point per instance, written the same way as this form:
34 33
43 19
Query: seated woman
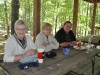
45 39
19 45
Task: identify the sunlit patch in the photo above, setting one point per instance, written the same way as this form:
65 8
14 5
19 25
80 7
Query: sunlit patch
1 68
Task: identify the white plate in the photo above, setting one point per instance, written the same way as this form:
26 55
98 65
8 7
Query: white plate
82 47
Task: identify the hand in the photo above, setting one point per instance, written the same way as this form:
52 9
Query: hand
64 44
44 44
53 43
35 51
30 52
73 43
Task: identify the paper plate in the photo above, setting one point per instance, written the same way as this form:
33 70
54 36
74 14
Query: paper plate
82 47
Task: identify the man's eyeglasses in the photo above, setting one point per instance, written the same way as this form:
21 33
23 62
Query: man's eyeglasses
68 27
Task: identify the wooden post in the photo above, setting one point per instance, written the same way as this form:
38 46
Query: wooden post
14 13
93 18
75 15
36 18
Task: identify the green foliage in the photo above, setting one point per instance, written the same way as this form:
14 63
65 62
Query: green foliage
55 12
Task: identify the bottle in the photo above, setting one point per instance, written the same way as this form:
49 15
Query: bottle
89 40
89 43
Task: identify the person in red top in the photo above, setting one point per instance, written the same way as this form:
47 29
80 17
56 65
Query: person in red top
65 35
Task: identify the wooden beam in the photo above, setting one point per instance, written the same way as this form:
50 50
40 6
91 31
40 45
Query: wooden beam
36 18
93 17
75 15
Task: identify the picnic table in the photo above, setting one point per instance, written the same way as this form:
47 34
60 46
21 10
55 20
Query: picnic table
94 39
60 65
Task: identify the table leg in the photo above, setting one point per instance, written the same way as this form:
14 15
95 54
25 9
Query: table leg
83 43
95 46
93 64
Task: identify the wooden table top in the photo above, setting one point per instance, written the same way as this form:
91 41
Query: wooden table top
58 66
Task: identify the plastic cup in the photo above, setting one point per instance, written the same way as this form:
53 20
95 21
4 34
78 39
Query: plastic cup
79 45
88 49
66 51
40 55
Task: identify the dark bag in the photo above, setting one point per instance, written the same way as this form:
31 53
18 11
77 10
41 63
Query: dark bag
50 55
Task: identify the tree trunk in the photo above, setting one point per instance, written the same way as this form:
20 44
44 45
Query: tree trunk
75 15
56 19
14 14
43 11
90 16
36 18
87 17
6 15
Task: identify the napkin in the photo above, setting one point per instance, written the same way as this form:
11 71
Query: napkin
28 59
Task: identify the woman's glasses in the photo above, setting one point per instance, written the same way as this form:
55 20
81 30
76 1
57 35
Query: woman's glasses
20 29
48 29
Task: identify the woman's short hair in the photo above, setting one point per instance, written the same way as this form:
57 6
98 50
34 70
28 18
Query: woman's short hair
67 22
19 22
46 25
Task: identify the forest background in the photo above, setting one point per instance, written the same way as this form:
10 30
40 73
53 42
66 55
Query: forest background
55 12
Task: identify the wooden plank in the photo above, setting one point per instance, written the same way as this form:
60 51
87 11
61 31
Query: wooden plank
58 66
96 66
64 66
47 62
86 67
80 69
89 69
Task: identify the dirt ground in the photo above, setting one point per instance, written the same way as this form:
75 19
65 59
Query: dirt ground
2 43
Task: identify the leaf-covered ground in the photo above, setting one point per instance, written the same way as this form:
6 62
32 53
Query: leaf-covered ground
2 43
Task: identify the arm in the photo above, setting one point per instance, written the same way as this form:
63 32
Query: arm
58 37
64 44
11 53
32 50
39 43
61 38
28 53
56 44
73 43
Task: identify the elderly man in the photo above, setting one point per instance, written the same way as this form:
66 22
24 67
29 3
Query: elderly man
65 36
